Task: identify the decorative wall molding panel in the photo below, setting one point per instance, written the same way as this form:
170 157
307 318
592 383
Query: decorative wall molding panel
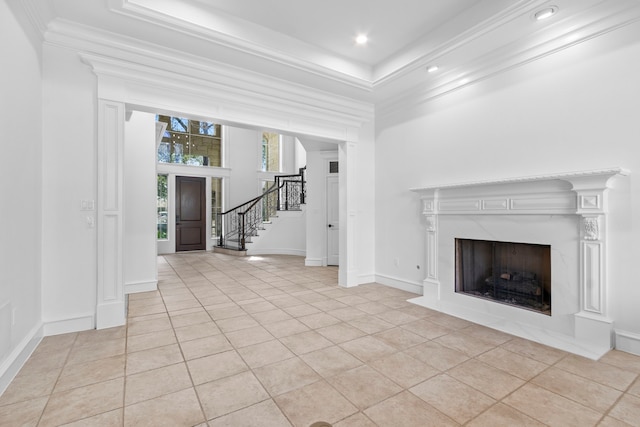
537 209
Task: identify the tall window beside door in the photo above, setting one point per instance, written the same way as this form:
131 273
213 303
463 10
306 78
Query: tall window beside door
270 152
162 206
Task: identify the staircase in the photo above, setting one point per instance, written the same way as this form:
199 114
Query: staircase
236 227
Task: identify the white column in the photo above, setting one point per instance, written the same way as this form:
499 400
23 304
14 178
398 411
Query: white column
348 272
431 283
110 306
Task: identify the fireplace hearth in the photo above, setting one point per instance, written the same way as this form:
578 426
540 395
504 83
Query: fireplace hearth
517 274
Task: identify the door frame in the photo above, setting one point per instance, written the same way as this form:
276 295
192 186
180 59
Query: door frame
204 221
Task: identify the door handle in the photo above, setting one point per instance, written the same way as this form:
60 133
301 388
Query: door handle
330 225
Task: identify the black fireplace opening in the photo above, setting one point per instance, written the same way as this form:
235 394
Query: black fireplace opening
517 274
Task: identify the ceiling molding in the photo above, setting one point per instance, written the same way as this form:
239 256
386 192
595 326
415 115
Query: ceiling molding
508 57
361 79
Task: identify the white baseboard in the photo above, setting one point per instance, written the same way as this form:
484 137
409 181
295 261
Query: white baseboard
64 326
405 285
137 287
366 278
275 251
313 262
18 357
627 341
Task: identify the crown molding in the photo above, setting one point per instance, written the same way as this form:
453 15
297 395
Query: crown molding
344 71
603 18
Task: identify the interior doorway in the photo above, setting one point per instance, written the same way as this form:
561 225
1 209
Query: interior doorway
191 223
333 220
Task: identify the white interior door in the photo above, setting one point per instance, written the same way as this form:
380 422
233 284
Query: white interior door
333 212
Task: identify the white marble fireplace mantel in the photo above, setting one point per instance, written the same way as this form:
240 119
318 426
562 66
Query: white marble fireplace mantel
567 211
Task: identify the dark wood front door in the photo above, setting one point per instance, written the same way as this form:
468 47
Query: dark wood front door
190 214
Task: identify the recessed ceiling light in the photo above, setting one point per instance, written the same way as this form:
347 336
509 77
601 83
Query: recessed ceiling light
362 39
545 13
432 69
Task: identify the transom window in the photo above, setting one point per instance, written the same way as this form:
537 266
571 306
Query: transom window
190 142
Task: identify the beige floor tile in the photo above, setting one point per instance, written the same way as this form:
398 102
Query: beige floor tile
318 320
286 328
485 378
27 387
586 392
157 382
550 408
315 402
357 420
257 307
150 325
330 361
94 336
263 414
229 394
437 355
503 415
55 343
24 414
224 311
271 316
400 338
427 329
364 386
45 363
600 372
305 342
340 332
236 323
83 402
627 410
449 321
249 336
407 410
79 375
200 316
154 358
150 340
626 361
205 346
370 324
612 422
396 317
201 330
285 301
635 388
492 336
301 310
284 376
214 367
171 410
513 363
96 351
471 346
368 348
453 398
107 419
403 369
265 353
142 310
372 307
533 350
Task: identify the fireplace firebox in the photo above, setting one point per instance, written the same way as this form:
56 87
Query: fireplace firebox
517 274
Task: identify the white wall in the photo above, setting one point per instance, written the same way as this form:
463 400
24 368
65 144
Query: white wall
20 192
286 234
140 263
574 110
69 177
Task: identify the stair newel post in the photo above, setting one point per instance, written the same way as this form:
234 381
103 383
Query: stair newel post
242 231
278 191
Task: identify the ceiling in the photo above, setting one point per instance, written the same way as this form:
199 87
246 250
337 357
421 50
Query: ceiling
307 41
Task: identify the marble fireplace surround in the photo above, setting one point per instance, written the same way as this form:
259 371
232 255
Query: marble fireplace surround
567 211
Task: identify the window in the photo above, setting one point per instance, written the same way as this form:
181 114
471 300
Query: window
162 207
216 205
270 152
190 142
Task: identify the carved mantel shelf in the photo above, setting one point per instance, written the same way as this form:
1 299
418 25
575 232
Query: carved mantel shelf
583 194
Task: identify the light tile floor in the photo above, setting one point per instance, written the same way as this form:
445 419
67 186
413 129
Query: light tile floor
265 341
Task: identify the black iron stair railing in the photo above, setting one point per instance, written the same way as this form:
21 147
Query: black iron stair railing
236 226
